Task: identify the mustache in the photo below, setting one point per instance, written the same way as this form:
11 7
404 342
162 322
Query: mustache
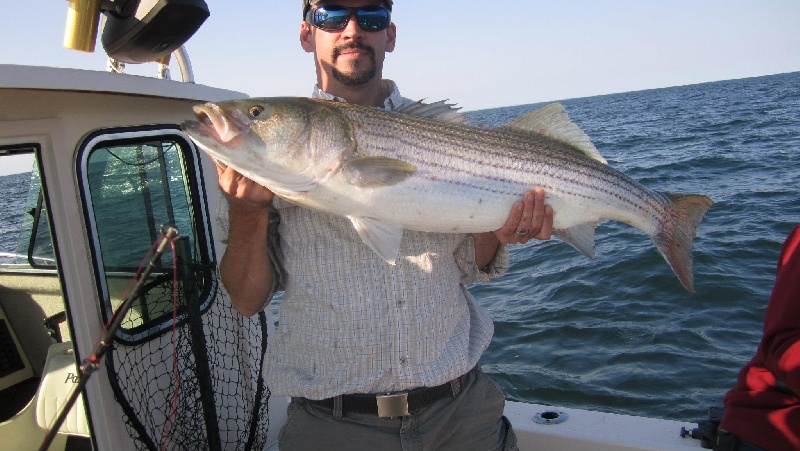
352 45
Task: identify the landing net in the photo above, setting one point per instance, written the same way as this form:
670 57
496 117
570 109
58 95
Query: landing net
200 384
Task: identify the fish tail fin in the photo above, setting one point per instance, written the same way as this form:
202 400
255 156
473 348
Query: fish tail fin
677 231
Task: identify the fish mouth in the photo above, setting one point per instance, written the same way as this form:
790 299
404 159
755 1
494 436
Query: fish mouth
218 124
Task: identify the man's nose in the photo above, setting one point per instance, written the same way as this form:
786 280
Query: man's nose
352 29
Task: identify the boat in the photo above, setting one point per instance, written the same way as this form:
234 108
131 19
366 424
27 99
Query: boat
95 167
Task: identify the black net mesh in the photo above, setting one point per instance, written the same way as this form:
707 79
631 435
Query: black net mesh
199 385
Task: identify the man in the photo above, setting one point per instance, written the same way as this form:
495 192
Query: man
373 355
762 412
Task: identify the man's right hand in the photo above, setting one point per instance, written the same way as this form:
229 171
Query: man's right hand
244 195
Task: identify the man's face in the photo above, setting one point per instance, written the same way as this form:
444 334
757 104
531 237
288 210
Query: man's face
350 56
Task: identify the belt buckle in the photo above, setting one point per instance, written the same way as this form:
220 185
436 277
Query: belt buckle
392 405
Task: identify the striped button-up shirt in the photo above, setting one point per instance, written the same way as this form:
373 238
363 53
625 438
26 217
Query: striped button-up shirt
351 323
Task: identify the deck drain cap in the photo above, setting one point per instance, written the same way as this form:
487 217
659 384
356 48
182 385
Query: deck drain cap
550 417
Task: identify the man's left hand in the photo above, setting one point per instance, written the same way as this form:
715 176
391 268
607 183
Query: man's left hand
529 218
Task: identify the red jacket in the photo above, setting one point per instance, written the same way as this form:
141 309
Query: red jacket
756 410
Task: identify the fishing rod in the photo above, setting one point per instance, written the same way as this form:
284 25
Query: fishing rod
92 363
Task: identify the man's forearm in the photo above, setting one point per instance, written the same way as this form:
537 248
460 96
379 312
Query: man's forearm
485 248
246 268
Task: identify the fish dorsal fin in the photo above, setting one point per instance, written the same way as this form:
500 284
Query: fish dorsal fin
376 171
440 110
553 121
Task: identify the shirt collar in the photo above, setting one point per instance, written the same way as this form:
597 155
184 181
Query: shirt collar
395 100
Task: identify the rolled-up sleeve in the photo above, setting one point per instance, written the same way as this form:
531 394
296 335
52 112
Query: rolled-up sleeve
470 272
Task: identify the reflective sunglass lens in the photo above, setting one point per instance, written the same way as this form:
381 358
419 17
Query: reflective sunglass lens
333 18
373 20
330 19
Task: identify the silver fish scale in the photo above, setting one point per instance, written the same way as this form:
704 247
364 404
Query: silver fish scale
500 161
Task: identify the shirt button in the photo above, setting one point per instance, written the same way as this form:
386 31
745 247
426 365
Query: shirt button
400 302
403 360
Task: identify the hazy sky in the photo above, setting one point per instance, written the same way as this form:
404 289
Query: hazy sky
479 54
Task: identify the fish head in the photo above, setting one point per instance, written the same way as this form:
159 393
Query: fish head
289 145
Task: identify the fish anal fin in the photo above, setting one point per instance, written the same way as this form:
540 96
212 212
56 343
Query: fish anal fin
372 171
383 238
553 121
580 236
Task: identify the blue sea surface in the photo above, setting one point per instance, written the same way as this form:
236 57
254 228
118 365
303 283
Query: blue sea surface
618 333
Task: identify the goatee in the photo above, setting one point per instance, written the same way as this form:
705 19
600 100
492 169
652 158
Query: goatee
356 77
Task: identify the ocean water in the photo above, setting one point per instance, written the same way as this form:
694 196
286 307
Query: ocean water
618 333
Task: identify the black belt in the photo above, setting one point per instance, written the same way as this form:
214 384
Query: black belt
392 405
730 442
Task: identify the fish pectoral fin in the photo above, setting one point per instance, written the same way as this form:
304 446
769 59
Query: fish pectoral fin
383 238
553 121
581 237
374 171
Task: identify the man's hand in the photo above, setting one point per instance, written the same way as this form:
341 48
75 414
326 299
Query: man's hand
244 195
529 218
530 215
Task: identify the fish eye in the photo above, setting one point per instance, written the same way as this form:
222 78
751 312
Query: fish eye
256 111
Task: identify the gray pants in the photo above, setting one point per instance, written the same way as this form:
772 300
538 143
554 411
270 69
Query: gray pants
472 420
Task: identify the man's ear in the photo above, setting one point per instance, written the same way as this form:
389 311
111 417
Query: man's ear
391 35
306 37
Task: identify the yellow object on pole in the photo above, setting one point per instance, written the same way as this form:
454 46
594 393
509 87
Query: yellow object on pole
164 59
83 17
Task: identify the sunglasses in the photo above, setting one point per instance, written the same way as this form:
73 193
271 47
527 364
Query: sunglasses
335 18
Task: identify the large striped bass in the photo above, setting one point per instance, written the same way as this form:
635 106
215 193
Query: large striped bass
424 168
